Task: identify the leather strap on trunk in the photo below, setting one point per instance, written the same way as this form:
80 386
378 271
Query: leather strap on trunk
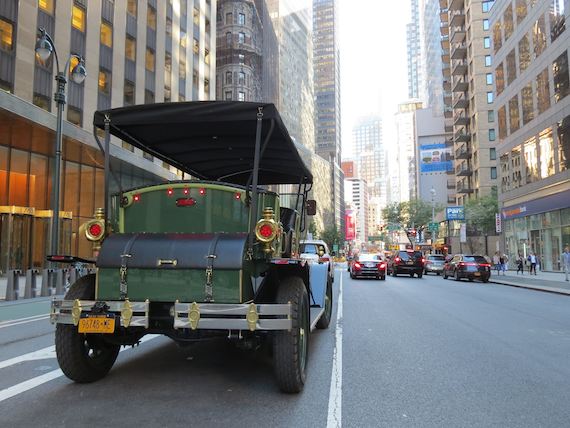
209 286
126 254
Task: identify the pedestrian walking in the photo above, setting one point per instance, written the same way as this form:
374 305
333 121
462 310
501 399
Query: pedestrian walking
532 259
497 262
566 261
504 263
520 264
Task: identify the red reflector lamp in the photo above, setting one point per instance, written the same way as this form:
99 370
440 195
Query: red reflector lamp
266 231
137 198
397 260
169 192
185 202
357 265
238 196
202 192
381 266
186 191
95 229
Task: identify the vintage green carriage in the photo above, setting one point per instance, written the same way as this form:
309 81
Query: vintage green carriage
194 259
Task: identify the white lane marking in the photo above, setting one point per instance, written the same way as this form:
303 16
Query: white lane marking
21 319
12 324
40 380
40 354
334 419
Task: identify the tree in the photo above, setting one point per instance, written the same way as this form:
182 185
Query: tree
392 213
418 212
480 213
331 236
313 229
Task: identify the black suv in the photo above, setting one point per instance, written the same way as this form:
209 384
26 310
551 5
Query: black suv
407 262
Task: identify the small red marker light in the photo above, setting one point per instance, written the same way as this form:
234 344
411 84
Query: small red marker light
186 191
266 231
238 196
170 192
137 198
202 191
95 229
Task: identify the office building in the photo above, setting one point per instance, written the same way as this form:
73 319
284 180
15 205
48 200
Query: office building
532 109
142 52
414 53
357 197
405 163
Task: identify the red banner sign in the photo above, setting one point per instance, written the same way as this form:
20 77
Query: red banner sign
350 232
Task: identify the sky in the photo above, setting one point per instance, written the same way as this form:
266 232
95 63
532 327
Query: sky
373 63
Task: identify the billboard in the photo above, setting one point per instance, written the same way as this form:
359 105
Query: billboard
350 227
435 158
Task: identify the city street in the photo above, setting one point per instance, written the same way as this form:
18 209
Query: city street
409 352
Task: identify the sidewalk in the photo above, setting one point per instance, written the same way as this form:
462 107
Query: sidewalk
552 282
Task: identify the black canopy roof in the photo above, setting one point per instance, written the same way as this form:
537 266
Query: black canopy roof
211 140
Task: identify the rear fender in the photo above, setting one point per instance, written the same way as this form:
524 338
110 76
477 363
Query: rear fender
319 276
277 272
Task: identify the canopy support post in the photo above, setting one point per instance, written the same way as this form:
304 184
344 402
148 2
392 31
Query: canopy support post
255 196
107 166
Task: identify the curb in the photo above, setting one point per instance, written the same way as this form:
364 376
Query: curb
533 287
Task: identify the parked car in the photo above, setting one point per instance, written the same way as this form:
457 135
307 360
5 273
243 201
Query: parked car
407 262
467 266
369 265
434 263
317 251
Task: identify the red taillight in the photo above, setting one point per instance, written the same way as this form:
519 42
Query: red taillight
186 191
202 192
238 196
266 231
485 265
381 265
423 260
185 202
58 258
356 265
95 230
397 260
137 198
170 192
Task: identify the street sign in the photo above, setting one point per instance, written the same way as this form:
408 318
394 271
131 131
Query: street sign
375 238
498 224
455 213
434 227
393 228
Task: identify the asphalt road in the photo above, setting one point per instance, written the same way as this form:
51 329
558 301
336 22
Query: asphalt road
409 352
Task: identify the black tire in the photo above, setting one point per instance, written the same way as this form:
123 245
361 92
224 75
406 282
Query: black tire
425 272
456 276
485 280
290 348
438 273
325 319
352 275
83 358
394 274
470 279
420 275
412 275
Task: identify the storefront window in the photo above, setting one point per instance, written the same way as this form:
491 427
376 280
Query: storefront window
531 160
546 143
563 131
39 182
3 175
18 178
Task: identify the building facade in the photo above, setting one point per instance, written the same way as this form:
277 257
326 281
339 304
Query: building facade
532 107
466 24
135 52
405 163
414 53
370 156
357 197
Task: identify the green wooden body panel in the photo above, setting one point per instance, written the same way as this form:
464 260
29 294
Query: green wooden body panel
169 285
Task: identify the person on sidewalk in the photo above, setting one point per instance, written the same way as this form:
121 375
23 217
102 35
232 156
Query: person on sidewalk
566 261
497 262
532 259
520 264
504 263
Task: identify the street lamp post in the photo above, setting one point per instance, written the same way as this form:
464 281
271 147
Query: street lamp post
433 232
44 47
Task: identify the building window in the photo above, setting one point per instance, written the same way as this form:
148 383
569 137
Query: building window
132 7
492 136
241 19
493 153
146 155
241 58
511 67
229 18
196 16
520 10
129 93
508 21
169 27
228 77
241 96
74 115
104 81
524 53
167 94
78 18
196 47
207 26
241 38
487 42
149 59
6 35
42 101
151 18
531 160
195 78
489 97
497 36
514 113
130 48
499 79
128 146
106 35
46 6
241 78
228 96
527 104
488 61
493 172
206 86
502 122
206 56
489 78
557 19
546 146
485 24
563 131
490 116
487 5
182 70
560 76
148 97
228 38
543 91
539 37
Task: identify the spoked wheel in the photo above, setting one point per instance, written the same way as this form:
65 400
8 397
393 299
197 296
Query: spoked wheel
325 319
290 348
83 357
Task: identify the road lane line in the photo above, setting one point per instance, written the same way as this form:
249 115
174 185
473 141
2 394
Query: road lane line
43 317
40 354
334 419
21 319
46 377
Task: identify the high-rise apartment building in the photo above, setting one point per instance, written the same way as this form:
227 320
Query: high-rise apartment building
326 68
135 52
432 63
357 197
530 50
474 125
414 51
406 161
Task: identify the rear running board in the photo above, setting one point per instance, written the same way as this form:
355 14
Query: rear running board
316 314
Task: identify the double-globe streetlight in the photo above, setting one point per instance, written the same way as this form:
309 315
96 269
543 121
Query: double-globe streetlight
44 48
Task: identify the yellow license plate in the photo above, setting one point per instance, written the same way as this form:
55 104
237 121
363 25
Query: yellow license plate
98 324
477 274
